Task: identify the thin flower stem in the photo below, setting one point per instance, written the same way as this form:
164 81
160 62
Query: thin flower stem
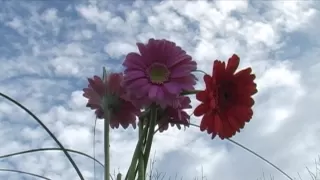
94 148
23 172
119 176
153 119
141 126
132 168
106 129
254 153
142 173
146 123
106 146
141 160
189 92
50 149
198 70
48 131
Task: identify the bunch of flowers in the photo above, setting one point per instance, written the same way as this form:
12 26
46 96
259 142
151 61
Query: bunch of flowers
153 93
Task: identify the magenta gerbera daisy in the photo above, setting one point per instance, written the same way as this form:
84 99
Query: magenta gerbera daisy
159 73
117 100
175 116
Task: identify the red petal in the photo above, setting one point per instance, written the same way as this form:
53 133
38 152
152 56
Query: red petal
227 131
218 69
201 96
204 123
243 113
208 80
217 65
246 101
233 64
233 123
217 124
201 110
213 135
210 122
212 104
243 73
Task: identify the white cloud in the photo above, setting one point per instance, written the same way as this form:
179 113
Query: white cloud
118 49
50 15
292 14
229 6
49 50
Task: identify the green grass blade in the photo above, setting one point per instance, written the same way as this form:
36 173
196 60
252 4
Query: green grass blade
23 172
50 149
48 131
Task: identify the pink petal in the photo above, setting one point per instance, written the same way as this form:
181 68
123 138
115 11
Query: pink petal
184 65
180 72
136 83
160 94
134 74
171 88
143 91
145 54
153 92
134 60
178 59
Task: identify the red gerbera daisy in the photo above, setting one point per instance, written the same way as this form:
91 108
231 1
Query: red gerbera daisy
226 101
117 100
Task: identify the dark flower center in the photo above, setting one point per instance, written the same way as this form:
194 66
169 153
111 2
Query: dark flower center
226 94
158 73
114 103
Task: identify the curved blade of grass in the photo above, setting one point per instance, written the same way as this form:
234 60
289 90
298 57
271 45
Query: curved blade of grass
23 172
264 159
254 153
50 149
48 131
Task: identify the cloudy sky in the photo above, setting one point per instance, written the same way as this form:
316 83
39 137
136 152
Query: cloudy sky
48 49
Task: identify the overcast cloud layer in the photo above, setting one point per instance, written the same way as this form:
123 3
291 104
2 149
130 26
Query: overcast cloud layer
48 49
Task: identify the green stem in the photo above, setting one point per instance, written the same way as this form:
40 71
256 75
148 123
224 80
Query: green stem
141 160
132 169
107 116
106 146
141 167
153 119
146 123
119 176
198 70
189 92
48 131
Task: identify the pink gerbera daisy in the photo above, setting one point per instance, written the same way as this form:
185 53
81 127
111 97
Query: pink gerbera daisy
159 73
122 111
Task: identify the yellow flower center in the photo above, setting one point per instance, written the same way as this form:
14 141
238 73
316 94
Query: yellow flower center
158 73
